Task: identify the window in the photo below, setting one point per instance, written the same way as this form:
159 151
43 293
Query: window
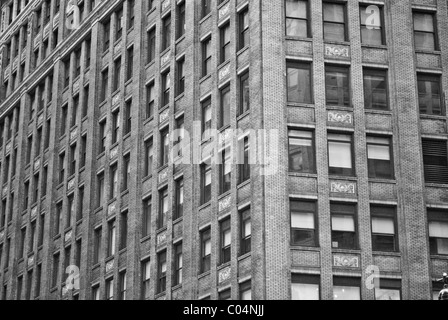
305 287
226 237
343 226
148 157
371 24
244 93
151 45
146 276
111 237
102 136
206 182
334 21
80 204
72 162
32 237
97 245
301 151
225 107
163 208
435 161
130 66
106 35
206 250
165 144
179 198
150 4
206 118
180 133
77 70
299 82
70 211
206 7
425 31
166 86
100 190
166 33
126 172
131 18
104 85
383 228
429 95
244 28
225 42
375 89
122 280
246 291
29 149
113 185
246 232
66 73
180 76
55 270
82 161
38 279
337 88
390 289
224 295
178 264
206 56
21 250
96 292
61 167
244 163
180 29
150 100
379 153
110 289
297 23
117 74
161 272
303 226
340 154
87 52
40 240
225 169
119 24
26 191
438 232
123 230
346 288
115 126
63 119
146 218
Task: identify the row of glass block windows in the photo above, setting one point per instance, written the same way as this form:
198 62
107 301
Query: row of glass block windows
345 231
372 23
376 88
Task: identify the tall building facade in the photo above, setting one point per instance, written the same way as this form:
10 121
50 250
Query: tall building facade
333 183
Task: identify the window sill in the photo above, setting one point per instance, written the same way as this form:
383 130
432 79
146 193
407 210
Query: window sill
436 185
182 37
348 178
129 81
125 192
374 111
243 115
205 205
374 46
152 10
164 51
439 256
388 181
99 209
297 38
336 107
224 194
305 248
303 175
161 229
243 184
150 64
388 253
300 104
204 78
178 220
432 117
244 256
340 250
223 266
176 287
179 96
56 237
204 274
346 43
105 52
426 51
205 17
98 157
242 50
160 294
145 238
148 177
62 137
96 265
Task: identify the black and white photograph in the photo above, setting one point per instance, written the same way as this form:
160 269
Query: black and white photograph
242 150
